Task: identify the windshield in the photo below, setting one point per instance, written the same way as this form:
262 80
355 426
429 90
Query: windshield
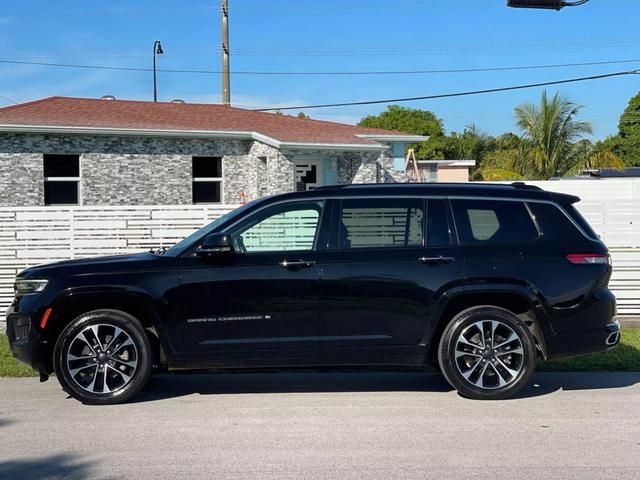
182 245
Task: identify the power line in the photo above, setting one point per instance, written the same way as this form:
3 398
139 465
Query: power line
327 73
8 99
386 48
457 94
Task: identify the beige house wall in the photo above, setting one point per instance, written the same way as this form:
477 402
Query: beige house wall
453 174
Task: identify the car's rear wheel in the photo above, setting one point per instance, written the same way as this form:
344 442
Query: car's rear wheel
487 353
103 357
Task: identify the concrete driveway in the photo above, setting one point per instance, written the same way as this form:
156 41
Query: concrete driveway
300 425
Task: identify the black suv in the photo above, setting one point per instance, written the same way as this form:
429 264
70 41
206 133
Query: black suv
478 280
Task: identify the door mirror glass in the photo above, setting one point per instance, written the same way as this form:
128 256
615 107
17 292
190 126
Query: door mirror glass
215 244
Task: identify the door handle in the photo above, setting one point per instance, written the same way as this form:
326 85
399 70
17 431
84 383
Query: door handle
297 263
436 260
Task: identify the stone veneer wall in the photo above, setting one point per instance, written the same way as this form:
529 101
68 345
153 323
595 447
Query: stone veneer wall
367 167
119 170
129 170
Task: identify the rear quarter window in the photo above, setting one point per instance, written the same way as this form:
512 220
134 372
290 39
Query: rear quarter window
580 220
482 222
555 225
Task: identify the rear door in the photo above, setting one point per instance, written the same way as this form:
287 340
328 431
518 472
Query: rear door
388 262
499 239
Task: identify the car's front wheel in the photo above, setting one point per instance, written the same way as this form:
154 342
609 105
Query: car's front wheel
103 357
487 353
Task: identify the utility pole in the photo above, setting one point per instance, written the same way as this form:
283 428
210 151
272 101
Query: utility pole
226 81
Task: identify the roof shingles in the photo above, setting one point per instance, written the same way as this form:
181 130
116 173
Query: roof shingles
139 115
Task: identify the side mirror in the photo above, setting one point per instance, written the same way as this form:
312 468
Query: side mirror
215 244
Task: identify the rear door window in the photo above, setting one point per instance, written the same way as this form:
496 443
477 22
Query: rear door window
381 223
493 221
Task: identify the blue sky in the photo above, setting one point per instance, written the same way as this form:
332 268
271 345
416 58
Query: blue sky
326 35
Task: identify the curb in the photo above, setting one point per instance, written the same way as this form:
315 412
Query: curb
629 322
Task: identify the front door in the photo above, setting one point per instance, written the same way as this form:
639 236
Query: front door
309 174
261 301
391 259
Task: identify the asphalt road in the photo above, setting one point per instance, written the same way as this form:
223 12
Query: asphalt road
303 425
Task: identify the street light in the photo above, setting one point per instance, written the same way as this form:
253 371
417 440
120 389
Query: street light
546 4
157 50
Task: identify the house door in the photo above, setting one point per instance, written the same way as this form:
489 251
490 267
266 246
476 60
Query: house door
309 174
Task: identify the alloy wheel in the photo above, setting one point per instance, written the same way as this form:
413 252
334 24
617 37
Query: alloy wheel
489 354
102 358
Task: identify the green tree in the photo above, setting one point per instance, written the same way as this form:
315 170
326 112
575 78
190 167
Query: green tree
552 145
551 129
626 144
409 120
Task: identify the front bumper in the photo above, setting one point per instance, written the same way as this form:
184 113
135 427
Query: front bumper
25 340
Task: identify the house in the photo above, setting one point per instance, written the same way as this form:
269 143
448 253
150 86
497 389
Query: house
80 151
445 170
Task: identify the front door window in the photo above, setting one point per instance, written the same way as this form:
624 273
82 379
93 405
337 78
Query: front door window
291 227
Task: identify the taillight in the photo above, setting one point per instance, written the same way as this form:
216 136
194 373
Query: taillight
589 258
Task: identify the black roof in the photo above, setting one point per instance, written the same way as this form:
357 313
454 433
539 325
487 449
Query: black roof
514 190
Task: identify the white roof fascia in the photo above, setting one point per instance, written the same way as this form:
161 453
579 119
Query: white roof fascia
394 138
449 163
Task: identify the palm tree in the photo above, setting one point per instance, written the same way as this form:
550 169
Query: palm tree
553 144
552 130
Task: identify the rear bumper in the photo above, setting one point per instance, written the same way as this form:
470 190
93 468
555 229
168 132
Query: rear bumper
584 342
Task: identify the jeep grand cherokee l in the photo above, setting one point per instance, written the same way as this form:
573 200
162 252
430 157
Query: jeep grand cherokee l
480 280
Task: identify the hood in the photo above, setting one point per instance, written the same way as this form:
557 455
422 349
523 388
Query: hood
92 265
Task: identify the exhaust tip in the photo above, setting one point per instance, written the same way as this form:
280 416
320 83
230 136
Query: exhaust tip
613 339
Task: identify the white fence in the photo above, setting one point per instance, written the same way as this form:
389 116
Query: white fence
35 235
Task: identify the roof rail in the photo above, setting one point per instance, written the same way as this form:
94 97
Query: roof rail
524 186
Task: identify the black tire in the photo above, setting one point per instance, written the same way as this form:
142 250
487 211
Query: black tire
487 373
98 377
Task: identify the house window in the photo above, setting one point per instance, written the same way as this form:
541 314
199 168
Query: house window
61 179
207 179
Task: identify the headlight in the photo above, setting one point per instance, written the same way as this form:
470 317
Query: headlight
29 287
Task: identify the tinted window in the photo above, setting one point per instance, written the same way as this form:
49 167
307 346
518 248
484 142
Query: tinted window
437 224
555 225
61 165
206 192
61 193
493 221
376 223
207 167
580 220
282 228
